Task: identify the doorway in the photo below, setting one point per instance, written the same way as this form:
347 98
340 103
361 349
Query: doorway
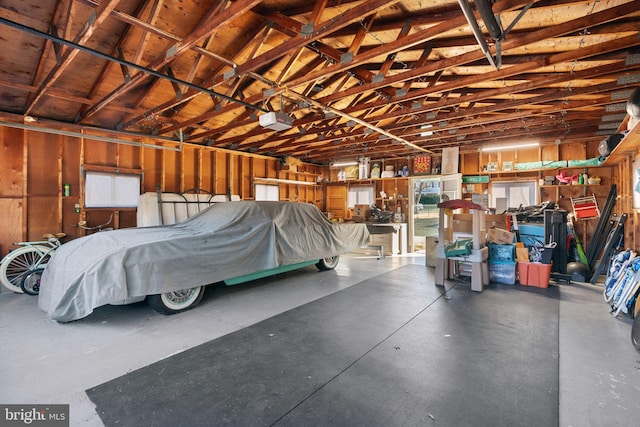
424 215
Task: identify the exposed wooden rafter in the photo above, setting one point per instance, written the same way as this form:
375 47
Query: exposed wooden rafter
361 77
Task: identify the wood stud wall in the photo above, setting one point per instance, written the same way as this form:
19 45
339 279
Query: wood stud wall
561 194
36 165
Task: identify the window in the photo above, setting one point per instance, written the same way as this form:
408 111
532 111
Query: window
360 195
512 194
111 190
267 192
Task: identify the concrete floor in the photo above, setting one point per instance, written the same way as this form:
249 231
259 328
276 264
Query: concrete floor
46 362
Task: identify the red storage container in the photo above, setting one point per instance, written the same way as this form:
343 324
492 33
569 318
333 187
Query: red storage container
539 275
523 272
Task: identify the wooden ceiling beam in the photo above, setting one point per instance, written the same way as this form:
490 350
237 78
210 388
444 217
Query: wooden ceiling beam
64 14
61 94
543 34
97 18
101 76
187 97
514 70
206 27
492 120
326 28
407 42
535 83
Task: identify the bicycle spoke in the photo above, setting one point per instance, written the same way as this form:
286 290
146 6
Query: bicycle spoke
23 263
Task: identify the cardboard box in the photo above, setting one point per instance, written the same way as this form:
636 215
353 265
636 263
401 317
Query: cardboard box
461 226
498 235
522 254
361 213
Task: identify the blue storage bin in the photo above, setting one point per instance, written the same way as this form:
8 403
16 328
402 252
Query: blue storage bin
503 272
531 234
499 252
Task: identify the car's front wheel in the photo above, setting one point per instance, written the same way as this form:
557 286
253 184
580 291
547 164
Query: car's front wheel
177 301
328 263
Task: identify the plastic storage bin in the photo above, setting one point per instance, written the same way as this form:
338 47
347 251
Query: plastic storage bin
531 234
503 272
523 273
499 252
539 275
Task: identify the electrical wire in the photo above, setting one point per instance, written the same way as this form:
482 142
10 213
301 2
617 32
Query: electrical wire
126 63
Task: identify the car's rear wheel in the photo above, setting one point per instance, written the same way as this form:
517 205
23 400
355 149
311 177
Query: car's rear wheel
328 263
177 301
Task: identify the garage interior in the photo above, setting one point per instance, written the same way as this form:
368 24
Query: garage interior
350 106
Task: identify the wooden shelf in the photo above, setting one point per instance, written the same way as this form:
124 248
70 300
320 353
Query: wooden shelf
539 170
568 185
628 146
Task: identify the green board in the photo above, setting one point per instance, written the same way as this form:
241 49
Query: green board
480 179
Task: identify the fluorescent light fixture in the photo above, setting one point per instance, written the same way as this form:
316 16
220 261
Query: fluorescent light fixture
428 132
343 164
510 146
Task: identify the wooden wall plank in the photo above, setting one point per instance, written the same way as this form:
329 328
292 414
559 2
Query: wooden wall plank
11 162
10 223
233 177
548 153
207 177
42 214
37 165
170 172
152 168
220 167
129 156
99 153
42 164
573 151
71 173
190 168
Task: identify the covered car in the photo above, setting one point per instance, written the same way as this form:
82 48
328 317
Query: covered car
223 242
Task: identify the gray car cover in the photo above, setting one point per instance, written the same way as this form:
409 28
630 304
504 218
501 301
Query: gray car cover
227 240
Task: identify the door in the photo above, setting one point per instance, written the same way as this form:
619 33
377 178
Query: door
427 193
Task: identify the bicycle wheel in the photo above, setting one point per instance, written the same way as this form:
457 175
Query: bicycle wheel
30 283
18 262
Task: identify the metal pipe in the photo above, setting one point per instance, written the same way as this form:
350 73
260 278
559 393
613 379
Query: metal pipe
490 21
473 23
93 137
126 63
